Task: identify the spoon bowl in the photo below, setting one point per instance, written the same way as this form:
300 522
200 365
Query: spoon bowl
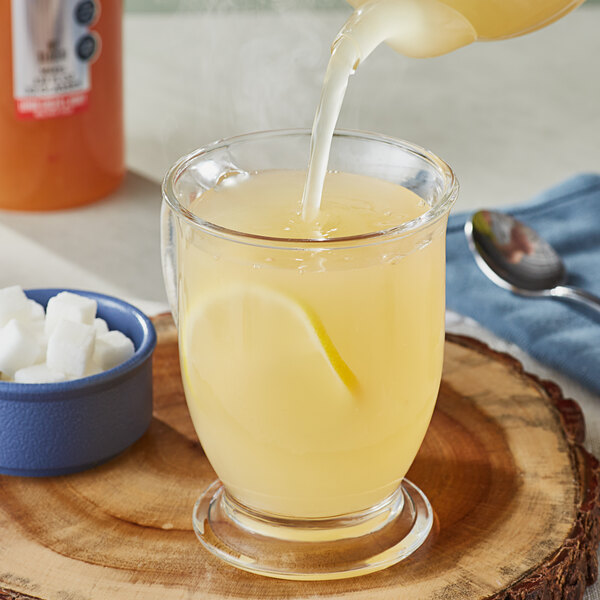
516 258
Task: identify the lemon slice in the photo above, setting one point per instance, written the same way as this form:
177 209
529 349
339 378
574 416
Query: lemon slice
262 333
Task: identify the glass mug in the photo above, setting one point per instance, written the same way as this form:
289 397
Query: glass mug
311 367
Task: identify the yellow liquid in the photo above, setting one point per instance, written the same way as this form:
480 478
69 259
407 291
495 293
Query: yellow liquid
311 373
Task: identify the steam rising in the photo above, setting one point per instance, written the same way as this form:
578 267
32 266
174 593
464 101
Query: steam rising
237 70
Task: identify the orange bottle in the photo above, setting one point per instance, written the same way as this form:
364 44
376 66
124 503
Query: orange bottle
61 107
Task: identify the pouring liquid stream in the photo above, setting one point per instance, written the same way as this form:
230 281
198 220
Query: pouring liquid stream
418 29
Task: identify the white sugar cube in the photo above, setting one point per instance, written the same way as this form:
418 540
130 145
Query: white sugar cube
36 311
101 326
19 347
36 328
112 349
92 369
13 304
38 374
67 336
34 321
70 347
70 307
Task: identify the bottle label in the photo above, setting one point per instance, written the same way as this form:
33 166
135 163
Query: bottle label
52 48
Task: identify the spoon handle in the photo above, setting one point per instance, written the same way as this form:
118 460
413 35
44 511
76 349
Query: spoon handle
577 295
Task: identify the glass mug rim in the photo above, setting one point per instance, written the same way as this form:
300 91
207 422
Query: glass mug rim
439 210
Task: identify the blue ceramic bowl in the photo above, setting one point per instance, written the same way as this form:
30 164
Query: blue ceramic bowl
59 428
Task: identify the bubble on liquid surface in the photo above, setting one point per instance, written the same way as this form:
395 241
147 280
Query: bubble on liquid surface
231 178
214 172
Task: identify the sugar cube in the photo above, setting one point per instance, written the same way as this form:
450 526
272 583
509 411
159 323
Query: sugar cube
112 349
13 304
36 326
36 311
63 342
19 347
101 326
70 307
92 369
70 347
39 374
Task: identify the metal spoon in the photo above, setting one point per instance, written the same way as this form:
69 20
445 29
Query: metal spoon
515 257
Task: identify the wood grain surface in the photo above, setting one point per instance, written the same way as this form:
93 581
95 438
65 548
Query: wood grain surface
515 495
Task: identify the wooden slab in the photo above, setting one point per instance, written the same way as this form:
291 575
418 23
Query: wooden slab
515 496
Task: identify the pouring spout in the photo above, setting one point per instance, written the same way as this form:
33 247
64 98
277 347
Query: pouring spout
415 28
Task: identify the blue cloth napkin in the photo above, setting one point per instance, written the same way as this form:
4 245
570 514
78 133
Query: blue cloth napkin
557 332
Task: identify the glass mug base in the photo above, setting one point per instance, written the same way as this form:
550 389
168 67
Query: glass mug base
313 549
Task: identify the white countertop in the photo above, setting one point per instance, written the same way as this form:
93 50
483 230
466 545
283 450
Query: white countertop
512 118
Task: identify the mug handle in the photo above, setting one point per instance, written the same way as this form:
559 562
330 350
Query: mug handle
168 243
